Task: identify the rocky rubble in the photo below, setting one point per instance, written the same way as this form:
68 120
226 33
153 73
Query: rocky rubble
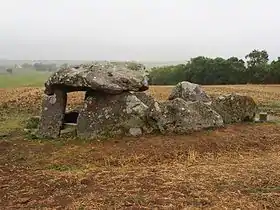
232 108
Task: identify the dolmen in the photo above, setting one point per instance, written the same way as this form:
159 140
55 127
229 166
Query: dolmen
116 104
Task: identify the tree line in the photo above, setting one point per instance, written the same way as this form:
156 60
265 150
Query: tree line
255 69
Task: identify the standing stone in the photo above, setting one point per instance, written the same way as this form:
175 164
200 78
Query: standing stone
189 92
53 110
109 115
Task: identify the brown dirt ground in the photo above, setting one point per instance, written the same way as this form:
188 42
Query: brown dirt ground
236 167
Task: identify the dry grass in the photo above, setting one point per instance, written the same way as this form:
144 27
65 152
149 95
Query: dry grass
237 167
31 97
262 94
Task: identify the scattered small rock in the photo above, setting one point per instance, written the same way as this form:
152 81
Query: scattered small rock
85 181
135 132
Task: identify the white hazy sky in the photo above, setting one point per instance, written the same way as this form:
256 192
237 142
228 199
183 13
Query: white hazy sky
150 30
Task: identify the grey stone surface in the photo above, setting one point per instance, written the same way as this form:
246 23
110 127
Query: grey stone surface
145 98
68 131
179 116
235 108
263 116
53 109
135 132
116 104
189 92
110 115
107 77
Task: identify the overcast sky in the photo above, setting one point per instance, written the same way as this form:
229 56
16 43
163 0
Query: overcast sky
150 30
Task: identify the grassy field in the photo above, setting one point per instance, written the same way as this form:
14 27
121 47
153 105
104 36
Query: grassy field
236 167
23 79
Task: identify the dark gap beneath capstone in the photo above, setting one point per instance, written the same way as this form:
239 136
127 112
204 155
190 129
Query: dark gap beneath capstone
247 119
71 117
68 89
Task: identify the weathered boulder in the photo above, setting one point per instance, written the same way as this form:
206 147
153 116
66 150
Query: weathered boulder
53 110
180 116
235 108
189 92
110 115
107 77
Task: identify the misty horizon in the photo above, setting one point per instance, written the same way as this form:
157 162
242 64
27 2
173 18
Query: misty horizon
140 30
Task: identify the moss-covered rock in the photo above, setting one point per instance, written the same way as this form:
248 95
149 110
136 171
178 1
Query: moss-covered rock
182 117
123 114
235 108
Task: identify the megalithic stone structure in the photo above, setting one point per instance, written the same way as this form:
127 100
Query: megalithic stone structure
53 110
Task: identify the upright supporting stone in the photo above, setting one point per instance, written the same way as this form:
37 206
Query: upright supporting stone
53 110
107 115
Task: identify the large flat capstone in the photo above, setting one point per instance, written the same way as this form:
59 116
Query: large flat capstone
107 77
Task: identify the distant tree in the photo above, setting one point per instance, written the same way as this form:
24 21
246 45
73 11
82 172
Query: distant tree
212 71
257 58
274 72
45 67
257 66
26 65
235 71
9 70
199 69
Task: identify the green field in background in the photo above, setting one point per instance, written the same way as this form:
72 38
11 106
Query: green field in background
24 79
